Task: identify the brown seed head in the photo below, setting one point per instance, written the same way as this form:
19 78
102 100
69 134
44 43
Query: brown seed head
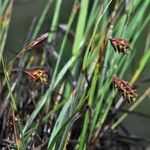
125 89
37 41
37 75
12 120
120 45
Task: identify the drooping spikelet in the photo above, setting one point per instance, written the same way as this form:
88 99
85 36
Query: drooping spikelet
120 45
37 41
37 75
125 89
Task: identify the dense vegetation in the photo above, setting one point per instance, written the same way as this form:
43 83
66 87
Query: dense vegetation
67 88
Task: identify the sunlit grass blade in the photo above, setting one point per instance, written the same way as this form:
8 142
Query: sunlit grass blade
41 19
4 25
80 26
55 18
145 59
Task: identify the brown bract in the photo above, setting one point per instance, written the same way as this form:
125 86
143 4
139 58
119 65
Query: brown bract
37 75
125 89
37 41
120 45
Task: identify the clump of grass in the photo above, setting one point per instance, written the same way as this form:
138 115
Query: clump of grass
51 103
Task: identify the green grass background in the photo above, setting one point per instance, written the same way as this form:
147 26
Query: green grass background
23 14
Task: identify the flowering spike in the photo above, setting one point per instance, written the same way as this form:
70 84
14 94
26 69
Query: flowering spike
37 41
37 75
125 89
120 45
